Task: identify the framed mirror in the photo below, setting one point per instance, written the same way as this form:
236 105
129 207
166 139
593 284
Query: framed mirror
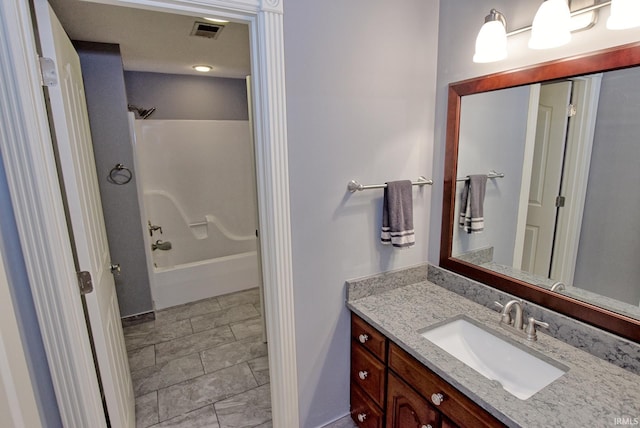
559 143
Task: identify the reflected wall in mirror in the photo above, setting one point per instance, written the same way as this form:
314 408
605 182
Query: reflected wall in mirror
566 136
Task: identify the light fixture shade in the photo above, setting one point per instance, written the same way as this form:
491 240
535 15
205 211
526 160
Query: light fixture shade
624 14
551 25
491 43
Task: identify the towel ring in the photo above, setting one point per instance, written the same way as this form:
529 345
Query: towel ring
120 175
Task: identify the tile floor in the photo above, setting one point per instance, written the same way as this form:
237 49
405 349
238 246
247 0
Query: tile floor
203 364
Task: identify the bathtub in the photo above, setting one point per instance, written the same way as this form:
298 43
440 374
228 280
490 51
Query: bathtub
205 260
189 282
197 185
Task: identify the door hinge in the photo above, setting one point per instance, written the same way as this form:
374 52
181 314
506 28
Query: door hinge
85 282
572 110
48 72
560 201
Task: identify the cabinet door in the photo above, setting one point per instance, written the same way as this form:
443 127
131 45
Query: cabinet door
407 409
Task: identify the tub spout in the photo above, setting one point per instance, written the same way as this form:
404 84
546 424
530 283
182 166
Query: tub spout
161 245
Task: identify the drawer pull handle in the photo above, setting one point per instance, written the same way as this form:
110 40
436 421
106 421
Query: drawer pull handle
363 374
363 338
426 426
437 398
362 417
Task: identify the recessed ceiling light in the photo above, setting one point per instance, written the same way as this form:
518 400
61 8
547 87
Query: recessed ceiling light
202 68
221 21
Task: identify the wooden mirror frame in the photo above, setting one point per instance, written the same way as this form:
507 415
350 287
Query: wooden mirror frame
605 60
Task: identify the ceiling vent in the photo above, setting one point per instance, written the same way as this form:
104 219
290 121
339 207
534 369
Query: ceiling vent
207 29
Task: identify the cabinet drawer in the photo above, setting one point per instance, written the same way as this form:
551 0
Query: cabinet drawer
363 411
368 337
455 405
368 373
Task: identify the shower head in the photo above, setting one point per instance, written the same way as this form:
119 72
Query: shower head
143 113
146 113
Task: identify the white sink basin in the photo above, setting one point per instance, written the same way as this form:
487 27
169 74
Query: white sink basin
520 372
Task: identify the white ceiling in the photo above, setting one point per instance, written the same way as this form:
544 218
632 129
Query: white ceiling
155 41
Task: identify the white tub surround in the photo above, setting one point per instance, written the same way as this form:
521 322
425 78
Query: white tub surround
198 186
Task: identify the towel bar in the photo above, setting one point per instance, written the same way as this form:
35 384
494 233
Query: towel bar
492 174
355 186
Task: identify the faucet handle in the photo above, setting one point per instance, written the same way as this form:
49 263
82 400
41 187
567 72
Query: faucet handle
531 328
505 317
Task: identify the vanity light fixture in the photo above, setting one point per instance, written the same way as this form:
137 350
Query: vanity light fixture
624 14
202 68
550 26
491 43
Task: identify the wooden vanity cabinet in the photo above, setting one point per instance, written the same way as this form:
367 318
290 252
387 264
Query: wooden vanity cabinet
398 391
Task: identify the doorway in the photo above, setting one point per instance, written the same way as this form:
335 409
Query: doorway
546 177
195 176
560 161
42 226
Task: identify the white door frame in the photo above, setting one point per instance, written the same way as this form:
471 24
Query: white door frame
17 399
37 201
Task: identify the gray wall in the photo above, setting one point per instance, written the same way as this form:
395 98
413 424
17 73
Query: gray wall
610 238
493 139
20 289
188 97
460 21
360 88
107 106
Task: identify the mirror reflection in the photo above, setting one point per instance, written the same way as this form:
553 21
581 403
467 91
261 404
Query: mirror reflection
566 208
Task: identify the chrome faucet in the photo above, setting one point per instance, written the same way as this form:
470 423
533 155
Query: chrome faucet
516 323
161 245
557 286
505 315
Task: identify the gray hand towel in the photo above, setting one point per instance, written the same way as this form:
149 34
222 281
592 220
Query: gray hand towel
472 204
397 215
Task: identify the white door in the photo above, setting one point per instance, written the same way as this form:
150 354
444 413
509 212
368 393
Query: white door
546 176
77 166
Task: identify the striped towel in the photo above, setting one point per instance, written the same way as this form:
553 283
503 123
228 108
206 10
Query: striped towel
472 204
397 215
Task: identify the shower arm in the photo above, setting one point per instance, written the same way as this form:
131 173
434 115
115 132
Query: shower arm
142 113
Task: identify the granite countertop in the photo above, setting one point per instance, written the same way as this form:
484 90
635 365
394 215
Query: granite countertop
591 393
